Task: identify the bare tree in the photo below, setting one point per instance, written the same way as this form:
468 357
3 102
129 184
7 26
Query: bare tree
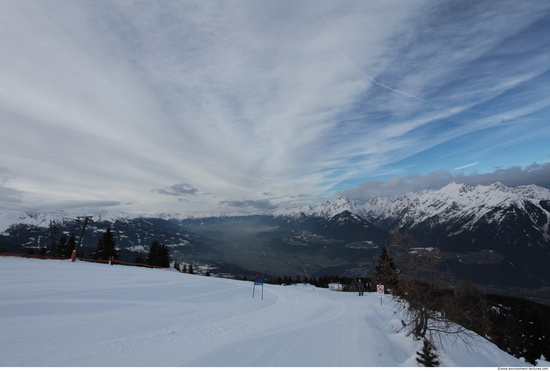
431 306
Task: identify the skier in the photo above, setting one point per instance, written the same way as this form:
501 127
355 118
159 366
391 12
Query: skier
360 287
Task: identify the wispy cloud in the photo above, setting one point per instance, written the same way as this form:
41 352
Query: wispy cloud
253 204
180 189
78 204
538 174
110 100
8 195
466 166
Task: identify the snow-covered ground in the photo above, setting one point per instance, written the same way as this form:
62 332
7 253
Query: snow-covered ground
60 313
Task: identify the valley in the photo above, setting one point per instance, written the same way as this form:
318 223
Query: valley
494 236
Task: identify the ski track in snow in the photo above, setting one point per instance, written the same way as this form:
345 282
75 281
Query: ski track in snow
59 313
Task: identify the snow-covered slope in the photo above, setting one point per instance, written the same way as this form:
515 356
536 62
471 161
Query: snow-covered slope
59 313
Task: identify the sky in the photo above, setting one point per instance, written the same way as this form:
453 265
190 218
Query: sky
218 106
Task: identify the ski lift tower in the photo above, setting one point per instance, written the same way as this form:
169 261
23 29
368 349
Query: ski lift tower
84 220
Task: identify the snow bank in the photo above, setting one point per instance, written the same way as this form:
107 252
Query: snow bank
59 313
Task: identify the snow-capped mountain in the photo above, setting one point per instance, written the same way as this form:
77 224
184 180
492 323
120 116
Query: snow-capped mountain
43 218
460 207
451 210
327 209
455 208
494 235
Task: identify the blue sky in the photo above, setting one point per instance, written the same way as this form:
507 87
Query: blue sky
218 106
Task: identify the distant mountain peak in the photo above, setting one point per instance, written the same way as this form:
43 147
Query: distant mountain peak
327 209
457 207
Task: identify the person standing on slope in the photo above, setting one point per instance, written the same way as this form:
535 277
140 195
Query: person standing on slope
360 287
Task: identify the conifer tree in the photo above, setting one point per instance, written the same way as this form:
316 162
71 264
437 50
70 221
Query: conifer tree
159 255
427 356
139 259
71 245
106 246
165 257
52 247
63 247
385 271
66 247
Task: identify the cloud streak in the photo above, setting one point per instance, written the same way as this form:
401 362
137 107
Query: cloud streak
466 166
110 100
180 189
538 174
253 204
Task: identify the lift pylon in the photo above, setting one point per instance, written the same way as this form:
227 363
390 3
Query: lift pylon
84 220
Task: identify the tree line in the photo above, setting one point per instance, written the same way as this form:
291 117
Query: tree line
157 256
61 249
349 283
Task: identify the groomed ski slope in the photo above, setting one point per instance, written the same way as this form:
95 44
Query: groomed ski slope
60 313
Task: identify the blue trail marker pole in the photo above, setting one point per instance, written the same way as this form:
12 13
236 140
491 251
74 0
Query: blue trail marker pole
258 282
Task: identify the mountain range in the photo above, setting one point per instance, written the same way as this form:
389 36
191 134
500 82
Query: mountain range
495 236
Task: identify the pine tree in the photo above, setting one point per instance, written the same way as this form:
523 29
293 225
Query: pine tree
52 247
385 271
427 356
106 246
63 248
139 259
159 255
71 245
191 269
165 257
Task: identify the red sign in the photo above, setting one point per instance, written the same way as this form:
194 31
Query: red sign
380 289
